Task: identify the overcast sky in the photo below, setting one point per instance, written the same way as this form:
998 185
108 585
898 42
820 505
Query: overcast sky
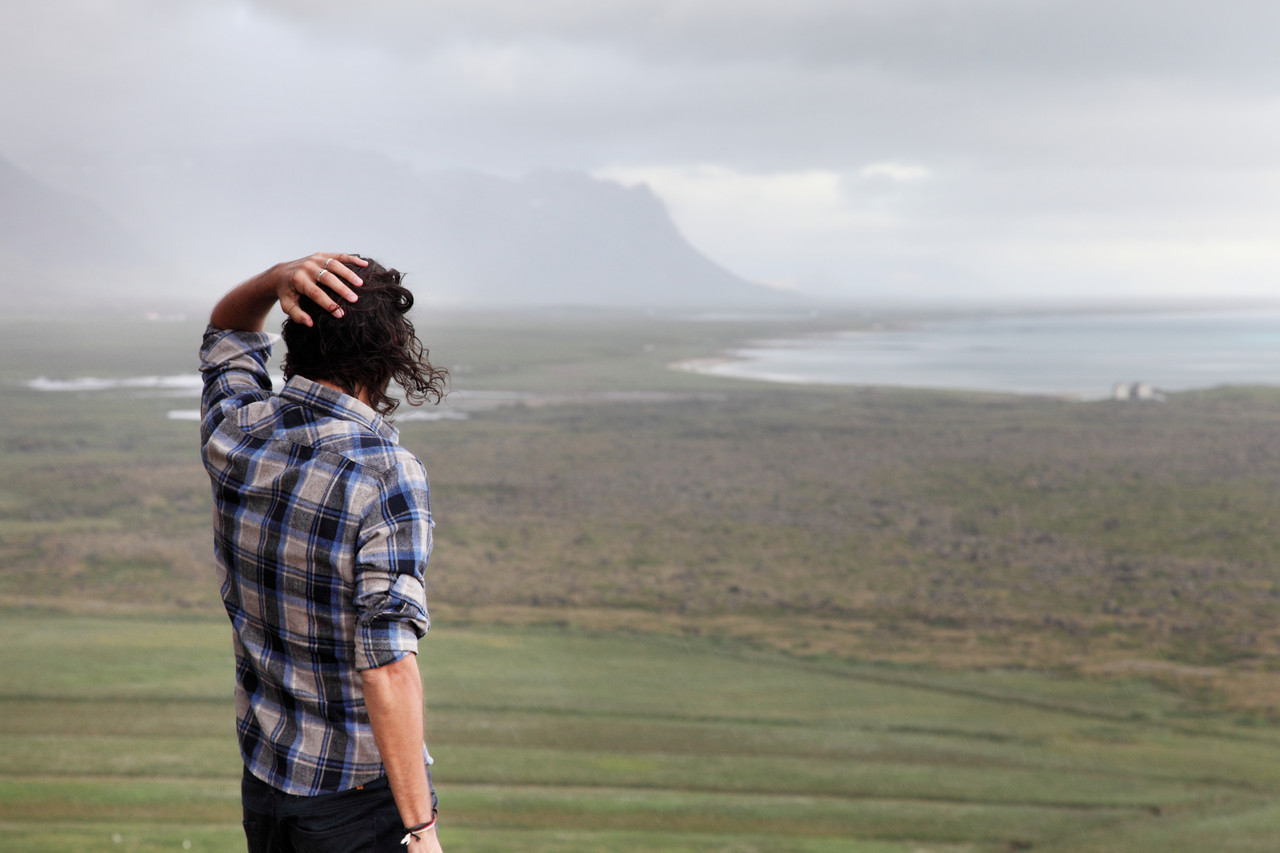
1033 148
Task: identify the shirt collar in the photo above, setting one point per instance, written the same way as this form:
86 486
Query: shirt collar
334 403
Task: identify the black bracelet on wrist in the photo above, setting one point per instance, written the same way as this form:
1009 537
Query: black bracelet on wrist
411 832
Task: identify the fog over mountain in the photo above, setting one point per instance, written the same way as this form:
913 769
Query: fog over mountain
205 221
35 220
927 151
60 251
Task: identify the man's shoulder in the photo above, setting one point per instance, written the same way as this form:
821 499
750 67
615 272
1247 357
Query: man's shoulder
222 346
269 426
377 454
374 452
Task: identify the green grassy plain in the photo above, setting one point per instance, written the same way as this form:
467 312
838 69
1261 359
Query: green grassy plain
712 616
560 739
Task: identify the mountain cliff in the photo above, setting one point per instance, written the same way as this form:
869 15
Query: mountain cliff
551 238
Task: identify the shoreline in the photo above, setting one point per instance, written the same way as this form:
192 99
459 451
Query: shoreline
1083 357
711 367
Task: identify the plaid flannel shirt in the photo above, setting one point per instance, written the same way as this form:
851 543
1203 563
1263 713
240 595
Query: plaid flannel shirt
322 530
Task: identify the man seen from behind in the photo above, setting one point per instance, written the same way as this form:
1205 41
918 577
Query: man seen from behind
322 532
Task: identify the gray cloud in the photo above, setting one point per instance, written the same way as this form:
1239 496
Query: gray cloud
980 37
1135 121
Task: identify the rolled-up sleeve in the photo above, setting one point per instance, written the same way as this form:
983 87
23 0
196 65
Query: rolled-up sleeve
393 550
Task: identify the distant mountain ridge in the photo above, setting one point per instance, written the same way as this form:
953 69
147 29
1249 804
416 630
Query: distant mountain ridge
551 238
61 252
44 224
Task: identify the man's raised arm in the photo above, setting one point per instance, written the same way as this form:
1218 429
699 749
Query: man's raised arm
245 307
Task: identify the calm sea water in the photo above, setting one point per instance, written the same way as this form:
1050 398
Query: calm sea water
1080 355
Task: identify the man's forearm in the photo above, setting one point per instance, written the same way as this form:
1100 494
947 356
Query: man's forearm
245 308
393 696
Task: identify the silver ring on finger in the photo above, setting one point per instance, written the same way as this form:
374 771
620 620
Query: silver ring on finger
322 272
326 263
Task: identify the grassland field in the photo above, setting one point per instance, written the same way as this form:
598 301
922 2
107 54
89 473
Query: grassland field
683 613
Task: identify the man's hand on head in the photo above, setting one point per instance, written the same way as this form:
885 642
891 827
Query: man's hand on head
246 306
310 277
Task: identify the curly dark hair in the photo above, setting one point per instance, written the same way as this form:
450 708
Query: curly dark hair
373 343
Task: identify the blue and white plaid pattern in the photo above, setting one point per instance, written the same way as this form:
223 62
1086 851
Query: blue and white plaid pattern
322 531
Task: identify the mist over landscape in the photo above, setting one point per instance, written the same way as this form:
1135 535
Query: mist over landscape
861 431
912 152
552 238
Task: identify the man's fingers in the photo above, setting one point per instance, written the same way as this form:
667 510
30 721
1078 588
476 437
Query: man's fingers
320 278
307 281
295 312
341 281
335 273
350 259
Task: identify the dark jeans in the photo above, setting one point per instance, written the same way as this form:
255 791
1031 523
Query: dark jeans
362 820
